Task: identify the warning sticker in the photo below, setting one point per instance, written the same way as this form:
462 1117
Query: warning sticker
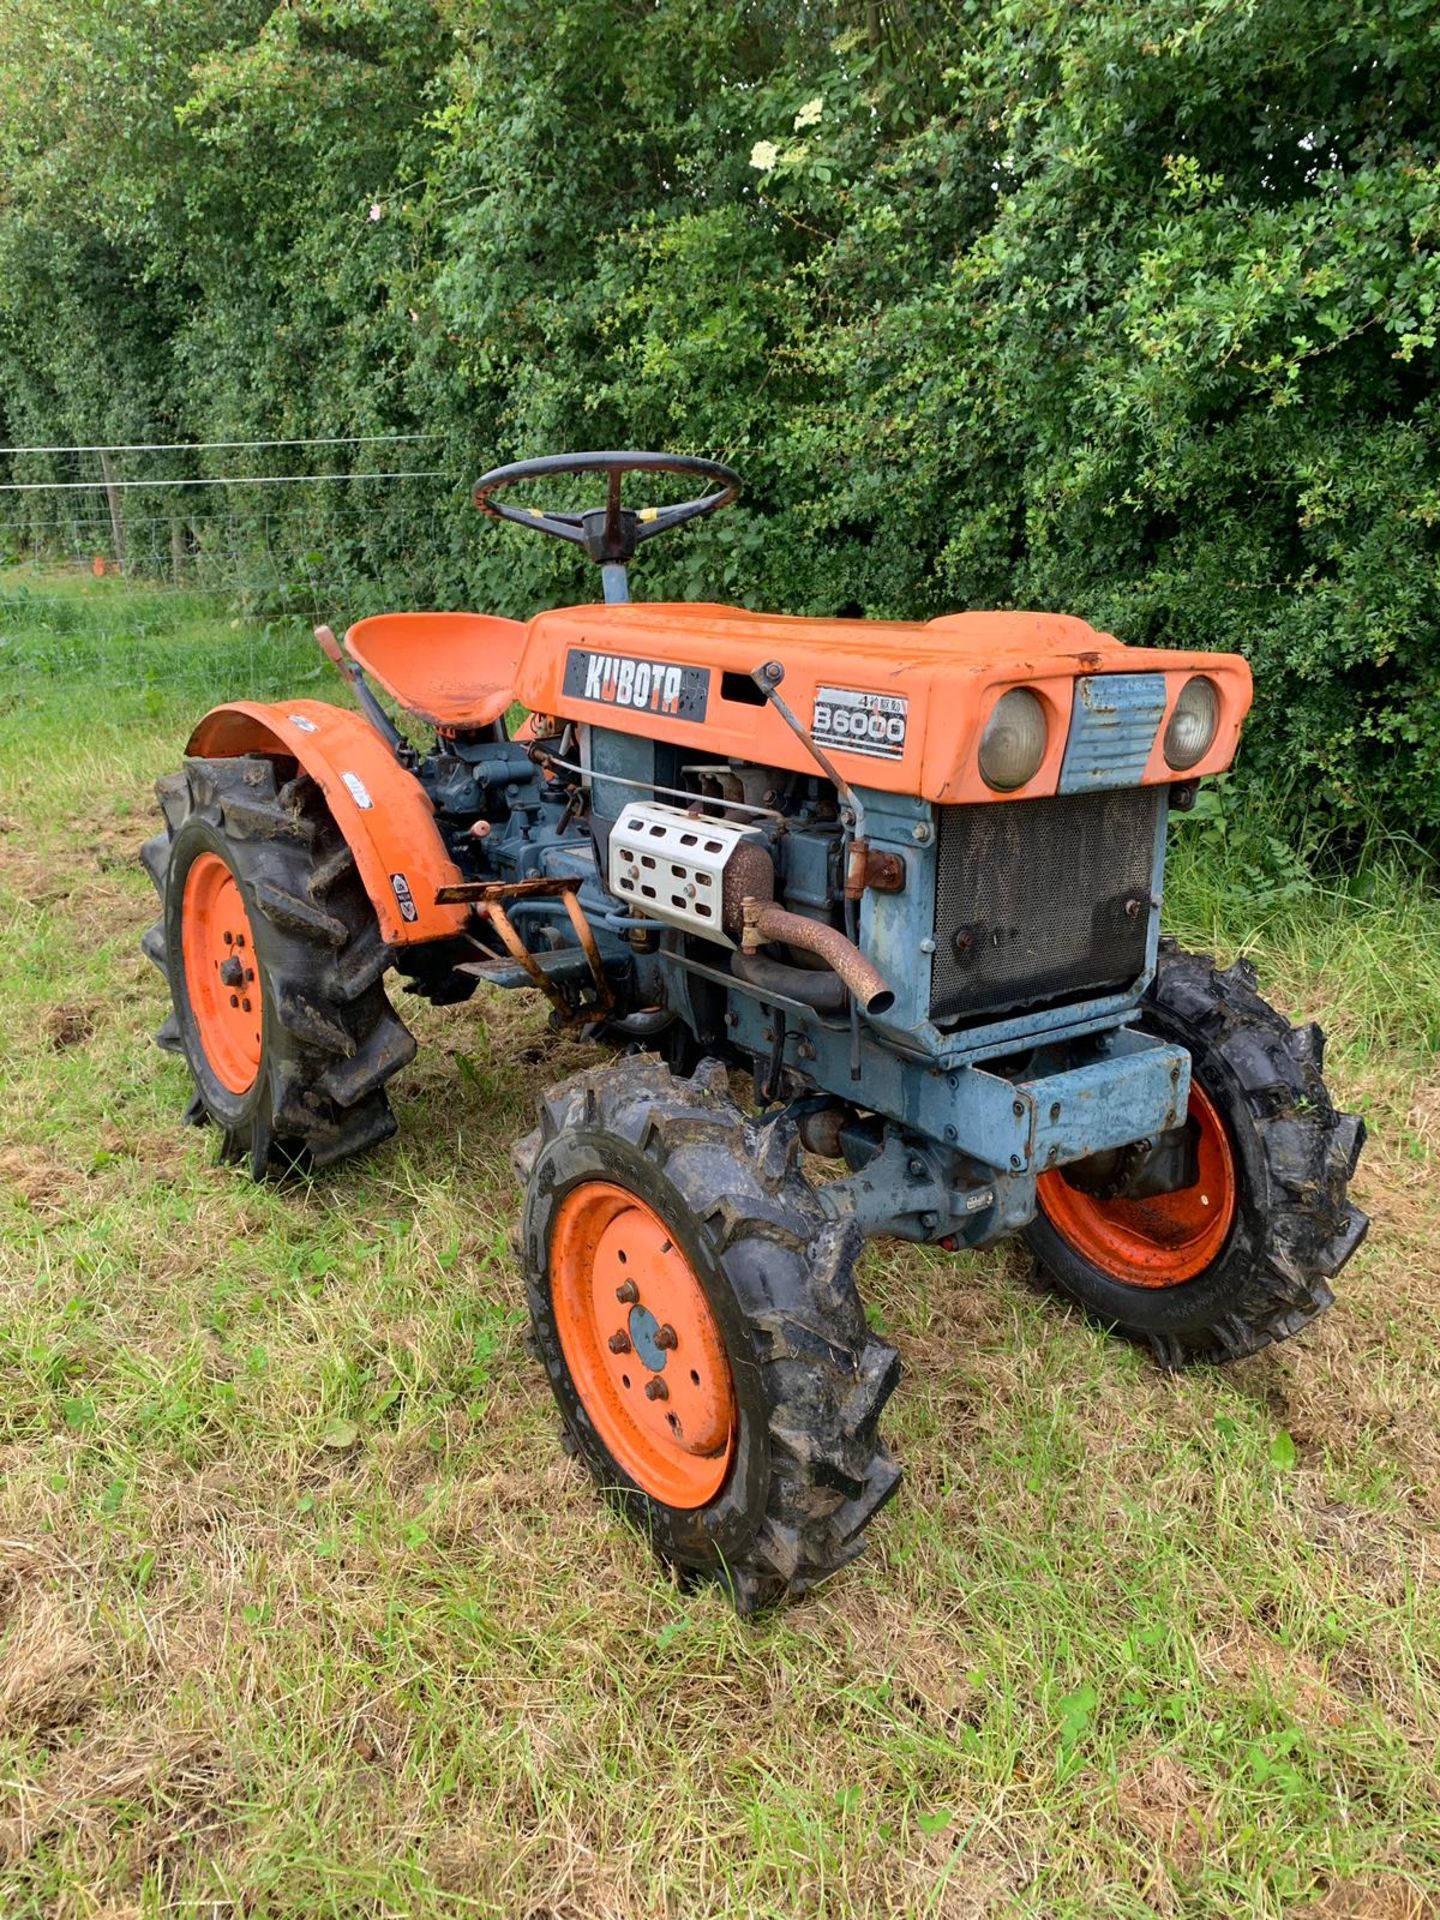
404 898
872 723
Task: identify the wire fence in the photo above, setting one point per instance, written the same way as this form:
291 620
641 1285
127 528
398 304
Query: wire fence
121 573
232 515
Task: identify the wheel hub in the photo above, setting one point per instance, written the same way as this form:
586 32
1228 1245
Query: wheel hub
642 1345
643 1329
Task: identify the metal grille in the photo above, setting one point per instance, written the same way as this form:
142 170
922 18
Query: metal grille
1112 729
1039 901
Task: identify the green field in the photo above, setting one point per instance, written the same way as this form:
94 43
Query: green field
306 1613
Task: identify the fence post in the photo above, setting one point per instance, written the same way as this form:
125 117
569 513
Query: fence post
117 523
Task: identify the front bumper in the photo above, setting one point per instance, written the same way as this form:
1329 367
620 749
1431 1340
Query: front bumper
1127 1086
985 1140
1138 1088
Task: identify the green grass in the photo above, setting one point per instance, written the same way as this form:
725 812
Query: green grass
304 1612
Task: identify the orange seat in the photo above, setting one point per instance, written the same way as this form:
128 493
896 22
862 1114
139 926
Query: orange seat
456 670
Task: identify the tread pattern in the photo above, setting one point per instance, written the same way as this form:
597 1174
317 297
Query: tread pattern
824 1376
334 1039
1300 1225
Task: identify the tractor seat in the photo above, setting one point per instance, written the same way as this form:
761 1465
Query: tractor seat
456 670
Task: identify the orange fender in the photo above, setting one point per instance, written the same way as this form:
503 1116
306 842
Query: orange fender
383 811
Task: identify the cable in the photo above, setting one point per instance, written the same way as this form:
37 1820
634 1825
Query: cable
207 446
234 480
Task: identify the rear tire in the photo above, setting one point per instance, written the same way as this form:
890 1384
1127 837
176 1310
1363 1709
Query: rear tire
305 1087
1280 1166
775 1490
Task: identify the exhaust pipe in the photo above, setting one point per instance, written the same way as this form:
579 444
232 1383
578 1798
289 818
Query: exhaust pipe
765 922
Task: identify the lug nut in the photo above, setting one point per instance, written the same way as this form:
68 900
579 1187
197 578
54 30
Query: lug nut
627 1293
665 1338
656 1390
619 1343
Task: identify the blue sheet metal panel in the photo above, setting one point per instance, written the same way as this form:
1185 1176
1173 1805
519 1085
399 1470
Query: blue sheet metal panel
1097 1106
897 929
1112 729
1136 1088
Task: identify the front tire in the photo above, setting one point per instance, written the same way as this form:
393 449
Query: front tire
1244 1257
274 960
696 1313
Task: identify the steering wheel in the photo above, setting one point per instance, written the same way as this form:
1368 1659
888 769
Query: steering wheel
609 534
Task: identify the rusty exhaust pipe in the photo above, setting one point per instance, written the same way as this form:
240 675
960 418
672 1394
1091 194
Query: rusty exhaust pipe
764 922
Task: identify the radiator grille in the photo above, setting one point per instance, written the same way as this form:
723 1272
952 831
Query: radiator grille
1039 901
1112 729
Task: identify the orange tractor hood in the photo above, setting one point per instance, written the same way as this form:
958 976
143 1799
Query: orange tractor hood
681 672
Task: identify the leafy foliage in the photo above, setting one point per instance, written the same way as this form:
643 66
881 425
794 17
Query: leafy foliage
1125 310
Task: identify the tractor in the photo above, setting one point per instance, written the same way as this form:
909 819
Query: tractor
868 916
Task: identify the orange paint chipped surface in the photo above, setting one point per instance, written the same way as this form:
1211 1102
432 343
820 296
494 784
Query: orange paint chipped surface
949 674
456 670
383 812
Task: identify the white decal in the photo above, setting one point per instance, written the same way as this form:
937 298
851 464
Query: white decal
305 726
872 723
359 792
645 685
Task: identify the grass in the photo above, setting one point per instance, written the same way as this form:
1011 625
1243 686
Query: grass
304 1612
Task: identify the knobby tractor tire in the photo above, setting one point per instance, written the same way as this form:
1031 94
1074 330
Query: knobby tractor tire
1292 1157
327 1037
774 1277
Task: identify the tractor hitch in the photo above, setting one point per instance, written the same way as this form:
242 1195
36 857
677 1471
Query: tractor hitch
491 898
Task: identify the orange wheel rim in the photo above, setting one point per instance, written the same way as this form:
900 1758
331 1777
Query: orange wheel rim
642 1345
1160 1242
222 980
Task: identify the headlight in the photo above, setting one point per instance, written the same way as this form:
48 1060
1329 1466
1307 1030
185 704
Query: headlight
1013 743
1191 731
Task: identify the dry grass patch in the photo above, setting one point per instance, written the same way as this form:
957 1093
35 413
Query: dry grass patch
49 1668
305 1612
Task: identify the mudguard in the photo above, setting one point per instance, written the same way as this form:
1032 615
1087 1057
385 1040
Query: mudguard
383 811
